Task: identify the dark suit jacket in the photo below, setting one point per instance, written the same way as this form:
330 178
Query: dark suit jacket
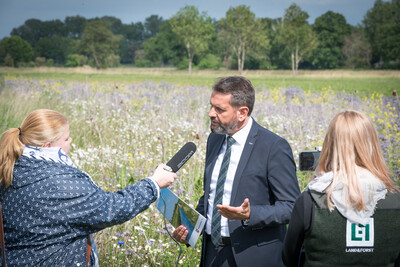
266 175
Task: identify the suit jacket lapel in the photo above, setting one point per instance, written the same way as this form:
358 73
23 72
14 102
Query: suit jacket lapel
244 158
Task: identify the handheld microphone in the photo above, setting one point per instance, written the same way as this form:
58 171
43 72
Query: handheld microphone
180 158
173 165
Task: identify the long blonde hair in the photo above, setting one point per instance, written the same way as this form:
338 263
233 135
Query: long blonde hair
39 127
352 141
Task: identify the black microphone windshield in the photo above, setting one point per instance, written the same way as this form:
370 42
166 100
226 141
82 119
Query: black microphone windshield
183 155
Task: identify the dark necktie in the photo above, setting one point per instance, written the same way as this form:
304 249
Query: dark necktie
219 192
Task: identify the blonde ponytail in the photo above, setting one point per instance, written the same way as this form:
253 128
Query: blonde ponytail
39 127
10 150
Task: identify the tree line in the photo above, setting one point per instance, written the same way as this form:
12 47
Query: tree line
190 39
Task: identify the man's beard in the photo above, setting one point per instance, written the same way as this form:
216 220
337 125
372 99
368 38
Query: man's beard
224 128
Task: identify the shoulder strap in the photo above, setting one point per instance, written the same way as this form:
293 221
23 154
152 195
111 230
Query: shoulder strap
88 250
2 237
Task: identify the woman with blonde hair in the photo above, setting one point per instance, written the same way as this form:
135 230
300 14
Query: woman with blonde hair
49 207
350 213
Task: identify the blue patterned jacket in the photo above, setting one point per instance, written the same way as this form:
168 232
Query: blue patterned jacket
50 209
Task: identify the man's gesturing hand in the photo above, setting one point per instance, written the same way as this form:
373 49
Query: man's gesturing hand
238 213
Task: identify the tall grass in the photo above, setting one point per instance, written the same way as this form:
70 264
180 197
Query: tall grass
122 131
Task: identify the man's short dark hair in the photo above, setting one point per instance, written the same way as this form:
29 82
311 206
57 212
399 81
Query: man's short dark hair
242 91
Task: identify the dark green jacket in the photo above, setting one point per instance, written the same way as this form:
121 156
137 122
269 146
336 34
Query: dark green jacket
325 238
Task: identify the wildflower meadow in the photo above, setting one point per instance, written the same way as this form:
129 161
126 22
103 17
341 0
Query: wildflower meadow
122 132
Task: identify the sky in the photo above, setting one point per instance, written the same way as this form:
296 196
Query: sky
13 13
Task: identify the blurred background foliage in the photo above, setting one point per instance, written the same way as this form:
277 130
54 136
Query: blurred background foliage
193 40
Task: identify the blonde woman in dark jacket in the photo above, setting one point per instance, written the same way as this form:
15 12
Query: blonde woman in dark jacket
349 215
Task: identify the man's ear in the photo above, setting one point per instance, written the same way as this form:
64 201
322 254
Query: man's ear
242 113
47 144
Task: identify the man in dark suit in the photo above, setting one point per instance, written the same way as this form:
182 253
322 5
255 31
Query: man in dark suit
249 179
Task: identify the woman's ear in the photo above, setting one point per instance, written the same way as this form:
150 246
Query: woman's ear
47 144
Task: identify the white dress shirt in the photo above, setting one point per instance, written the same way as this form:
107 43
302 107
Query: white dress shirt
236 152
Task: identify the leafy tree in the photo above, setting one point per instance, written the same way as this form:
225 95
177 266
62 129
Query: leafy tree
131 37
99 42
382 25
194 29
131 46
14 50
297 35
210 61
131 42
116 25
54 47
152 26
260 54
331 29
244 32
53 28
278 54
134 31
164 48
33 30
357 50
74 26
30 31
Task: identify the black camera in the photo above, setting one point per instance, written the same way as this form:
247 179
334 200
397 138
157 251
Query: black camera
308 160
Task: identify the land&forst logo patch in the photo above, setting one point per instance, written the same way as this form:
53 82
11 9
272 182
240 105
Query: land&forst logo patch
360 236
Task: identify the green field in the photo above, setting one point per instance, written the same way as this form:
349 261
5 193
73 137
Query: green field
363 82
